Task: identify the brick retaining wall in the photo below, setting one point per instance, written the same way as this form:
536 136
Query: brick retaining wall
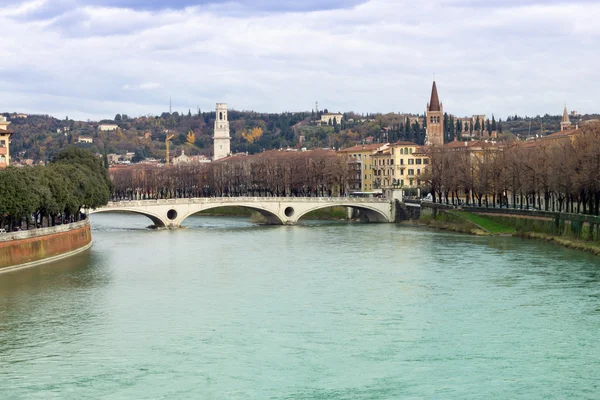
40 245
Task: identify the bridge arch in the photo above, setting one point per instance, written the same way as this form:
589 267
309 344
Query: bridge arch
155 218
368 214
271 217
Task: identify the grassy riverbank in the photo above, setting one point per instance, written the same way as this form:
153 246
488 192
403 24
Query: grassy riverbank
475 224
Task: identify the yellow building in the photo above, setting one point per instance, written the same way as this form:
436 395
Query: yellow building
399 165
4 142
361 166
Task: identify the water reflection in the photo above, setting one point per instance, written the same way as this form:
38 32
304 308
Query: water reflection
327 310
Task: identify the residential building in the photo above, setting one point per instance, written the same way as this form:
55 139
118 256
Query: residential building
361 166
4 142
85 139
328 118
108 127
435 120
400 165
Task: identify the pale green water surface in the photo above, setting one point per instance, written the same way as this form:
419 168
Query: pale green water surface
230 310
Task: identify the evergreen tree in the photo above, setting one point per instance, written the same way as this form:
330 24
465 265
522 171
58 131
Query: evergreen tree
494 127
489 127
477 125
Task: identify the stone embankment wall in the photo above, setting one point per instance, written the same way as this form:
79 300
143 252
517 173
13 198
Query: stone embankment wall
37 246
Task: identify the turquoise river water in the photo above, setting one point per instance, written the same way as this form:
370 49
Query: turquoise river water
227 309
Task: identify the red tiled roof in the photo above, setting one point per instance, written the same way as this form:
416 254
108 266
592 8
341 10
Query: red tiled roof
404 143
362 147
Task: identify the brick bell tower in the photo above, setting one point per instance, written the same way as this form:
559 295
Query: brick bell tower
435 120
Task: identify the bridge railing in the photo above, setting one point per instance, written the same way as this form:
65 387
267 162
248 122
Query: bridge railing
221 200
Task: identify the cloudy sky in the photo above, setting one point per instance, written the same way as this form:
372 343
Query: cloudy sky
95 58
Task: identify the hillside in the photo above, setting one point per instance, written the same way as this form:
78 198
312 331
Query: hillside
38 137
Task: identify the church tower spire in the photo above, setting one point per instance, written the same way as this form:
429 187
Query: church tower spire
435 119
565 124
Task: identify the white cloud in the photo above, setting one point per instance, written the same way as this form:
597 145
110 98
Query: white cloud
23 8
377 56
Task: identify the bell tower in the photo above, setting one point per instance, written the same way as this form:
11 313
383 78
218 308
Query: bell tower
221 134
435 120
565 124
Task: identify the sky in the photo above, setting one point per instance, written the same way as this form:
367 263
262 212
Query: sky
92 59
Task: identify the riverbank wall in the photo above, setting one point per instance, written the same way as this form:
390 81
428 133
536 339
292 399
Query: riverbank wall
37 246
581 232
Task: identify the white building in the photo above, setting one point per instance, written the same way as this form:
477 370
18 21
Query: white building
85 139
327 118
222 140
108 127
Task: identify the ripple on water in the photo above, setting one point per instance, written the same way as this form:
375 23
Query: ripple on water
325 310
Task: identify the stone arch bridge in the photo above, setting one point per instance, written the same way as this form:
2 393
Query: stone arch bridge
277 210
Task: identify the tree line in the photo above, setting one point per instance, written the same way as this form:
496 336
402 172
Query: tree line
269 174
42 196
551 175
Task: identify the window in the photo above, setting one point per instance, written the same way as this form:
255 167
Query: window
410 151
402 171
411 182
2 159
401 182
2 143
411 161
418 171
221 115
402 161
405 150
426 161
411 172
418 161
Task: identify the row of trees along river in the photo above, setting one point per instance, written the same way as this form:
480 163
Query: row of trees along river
272 173
553 175
44 196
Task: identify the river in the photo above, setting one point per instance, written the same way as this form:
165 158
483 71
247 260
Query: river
227 309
